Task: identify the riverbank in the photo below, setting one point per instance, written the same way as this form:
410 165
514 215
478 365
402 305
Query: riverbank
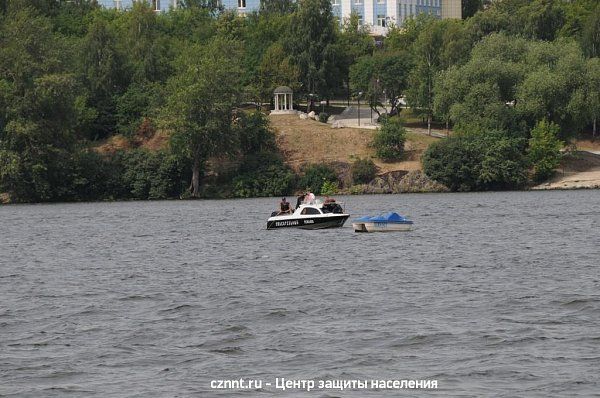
579 170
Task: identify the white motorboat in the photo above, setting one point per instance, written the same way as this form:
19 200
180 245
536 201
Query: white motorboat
389 222
314 215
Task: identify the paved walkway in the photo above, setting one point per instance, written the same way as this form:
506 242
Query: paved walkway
349 118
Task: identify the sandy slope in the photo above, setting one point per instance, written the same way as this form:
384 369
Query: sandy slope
580 170
309 141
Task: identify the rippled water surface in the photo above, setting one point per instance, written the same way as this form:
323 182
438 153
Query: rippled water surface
492 295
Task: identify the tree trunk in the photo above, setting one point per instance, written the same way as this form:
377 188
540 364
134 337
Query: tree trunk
349 93
195 185
595 128
447 127
429 123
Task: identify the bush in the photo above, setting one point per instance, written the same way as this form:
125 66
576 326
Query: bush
491 161
329 188
389 140
152 175
383 118
323 117
255 133
363 171
544 149
315 175
267 176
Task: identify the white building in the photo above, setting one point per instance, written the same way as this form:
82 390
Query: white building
379 15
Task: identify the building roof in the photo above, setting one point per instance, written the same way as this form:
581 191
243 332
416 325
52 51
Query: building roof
283 90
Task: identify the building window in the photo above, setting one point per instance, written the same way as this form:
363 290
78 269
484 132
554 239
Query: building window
241 3
156 4
357 1
118 4
360 20
380 1
381 20
335 2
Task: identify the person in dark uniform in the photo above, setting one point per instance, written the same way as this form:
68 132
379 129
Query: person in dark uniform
300 200
284 207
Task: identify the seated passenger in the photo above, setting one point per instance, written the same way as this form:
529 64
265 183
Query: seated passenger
284 207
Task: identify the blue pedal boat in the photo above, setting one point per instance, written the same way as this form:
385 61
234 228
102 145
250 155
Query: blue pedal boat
388 222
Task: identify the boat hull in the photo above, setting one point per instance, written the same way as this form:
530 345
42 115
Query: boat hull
382 226
335 221
387 226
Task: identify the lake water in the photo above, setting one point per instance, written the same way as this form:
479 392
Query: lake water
494 294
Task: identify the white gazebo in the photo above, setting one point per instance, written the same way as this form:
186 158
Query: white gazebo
284 101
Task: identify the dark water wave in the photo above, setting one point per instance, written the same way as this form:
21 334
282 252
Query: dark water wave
492 295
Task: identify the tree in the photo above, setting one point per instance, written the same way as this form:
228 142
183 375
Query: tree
384 74
544 149
201 100
212 6
541 19
41 113
426 50
389 140
591 34
315 176
555 72
311 44
363 171
511 83
103 75
363 79
470 7
393 75
480 161
277 7
353 43
146 47
266 64
593 91
276 69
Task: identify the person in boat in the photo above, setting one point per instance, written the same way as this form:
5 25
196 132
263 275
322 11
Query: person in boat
284 207
331 205
300 200
309 198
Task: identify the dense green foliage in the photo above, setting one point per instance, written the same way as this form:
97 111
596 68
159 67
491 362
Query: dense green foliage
329 188
531 75
544 149
482 161
389 139
363 171
73 74
314 177
264 174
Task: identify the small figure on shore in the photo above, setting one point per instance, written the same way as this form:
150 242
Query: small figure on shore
284 207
